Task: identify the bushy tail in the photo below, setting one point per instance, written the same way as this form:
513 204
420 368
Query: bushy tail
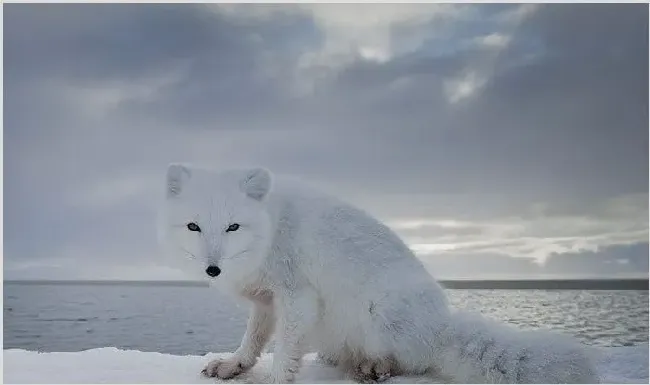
476 349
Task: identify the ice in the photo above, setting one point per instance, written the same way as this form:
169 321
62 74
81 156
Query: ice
111 365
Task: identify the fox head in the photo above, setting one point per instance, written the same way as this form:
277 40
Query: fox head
217 222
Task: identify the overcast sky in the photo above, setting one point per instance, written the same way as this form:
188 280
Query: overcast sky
498 140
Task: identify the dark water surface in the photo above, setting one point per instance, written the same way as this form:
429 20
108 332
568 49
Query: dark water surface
195 320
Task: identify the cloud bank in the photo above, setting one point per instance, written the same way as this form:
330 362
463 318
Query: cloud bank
496 139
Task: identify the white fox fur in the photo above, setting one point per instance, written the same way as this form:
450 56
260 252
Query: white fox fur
325 276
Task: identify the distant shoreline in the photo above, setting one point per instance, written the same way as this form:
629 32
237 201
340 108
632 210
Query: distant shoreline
485 284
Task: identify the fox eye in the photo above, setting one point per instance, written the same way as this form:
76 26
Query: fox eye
233 227
193 227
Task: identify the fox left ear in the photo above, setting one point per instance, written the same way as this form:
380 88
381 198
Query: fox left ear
256 183
177 176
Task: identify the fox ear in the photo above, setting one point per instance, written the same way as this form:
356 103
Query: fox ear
256 183
177 175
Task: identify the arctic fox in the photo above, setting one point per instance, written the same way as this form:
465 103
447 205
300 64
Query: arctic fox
325 276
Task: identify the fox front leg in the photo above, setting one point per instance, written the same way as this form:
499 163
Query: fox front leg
297 315
259 329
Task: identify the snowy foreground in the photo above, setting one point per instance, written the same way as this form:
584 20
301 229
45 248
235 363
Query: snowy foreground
110 365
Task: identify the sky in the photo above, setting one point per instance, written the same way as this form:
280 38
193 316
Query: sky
497 140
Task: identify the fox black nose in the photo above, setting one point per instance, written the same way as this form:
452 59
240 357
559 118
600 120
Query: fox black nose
213 271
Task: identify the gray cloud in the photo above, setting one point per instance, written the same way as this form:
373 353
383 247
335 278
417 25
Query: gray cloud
524 127
612 261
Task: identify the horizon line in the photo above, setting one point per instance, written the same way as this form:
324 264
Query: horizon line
639 284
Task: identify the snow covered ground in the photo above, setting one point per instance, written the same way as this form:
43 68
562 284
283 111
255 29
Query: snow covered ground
110 365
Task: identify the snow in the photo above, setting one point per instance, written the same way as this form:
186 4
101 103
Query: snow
111 365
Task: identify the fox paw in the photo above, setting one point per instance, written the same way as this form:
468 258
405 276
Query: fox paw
225 368
372 371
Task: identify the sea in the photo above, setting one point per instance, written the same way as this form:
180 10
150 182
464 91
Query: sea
195 320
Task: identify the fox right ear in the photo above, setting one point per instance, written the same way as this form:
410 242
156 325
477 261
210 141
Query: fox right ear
177 175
